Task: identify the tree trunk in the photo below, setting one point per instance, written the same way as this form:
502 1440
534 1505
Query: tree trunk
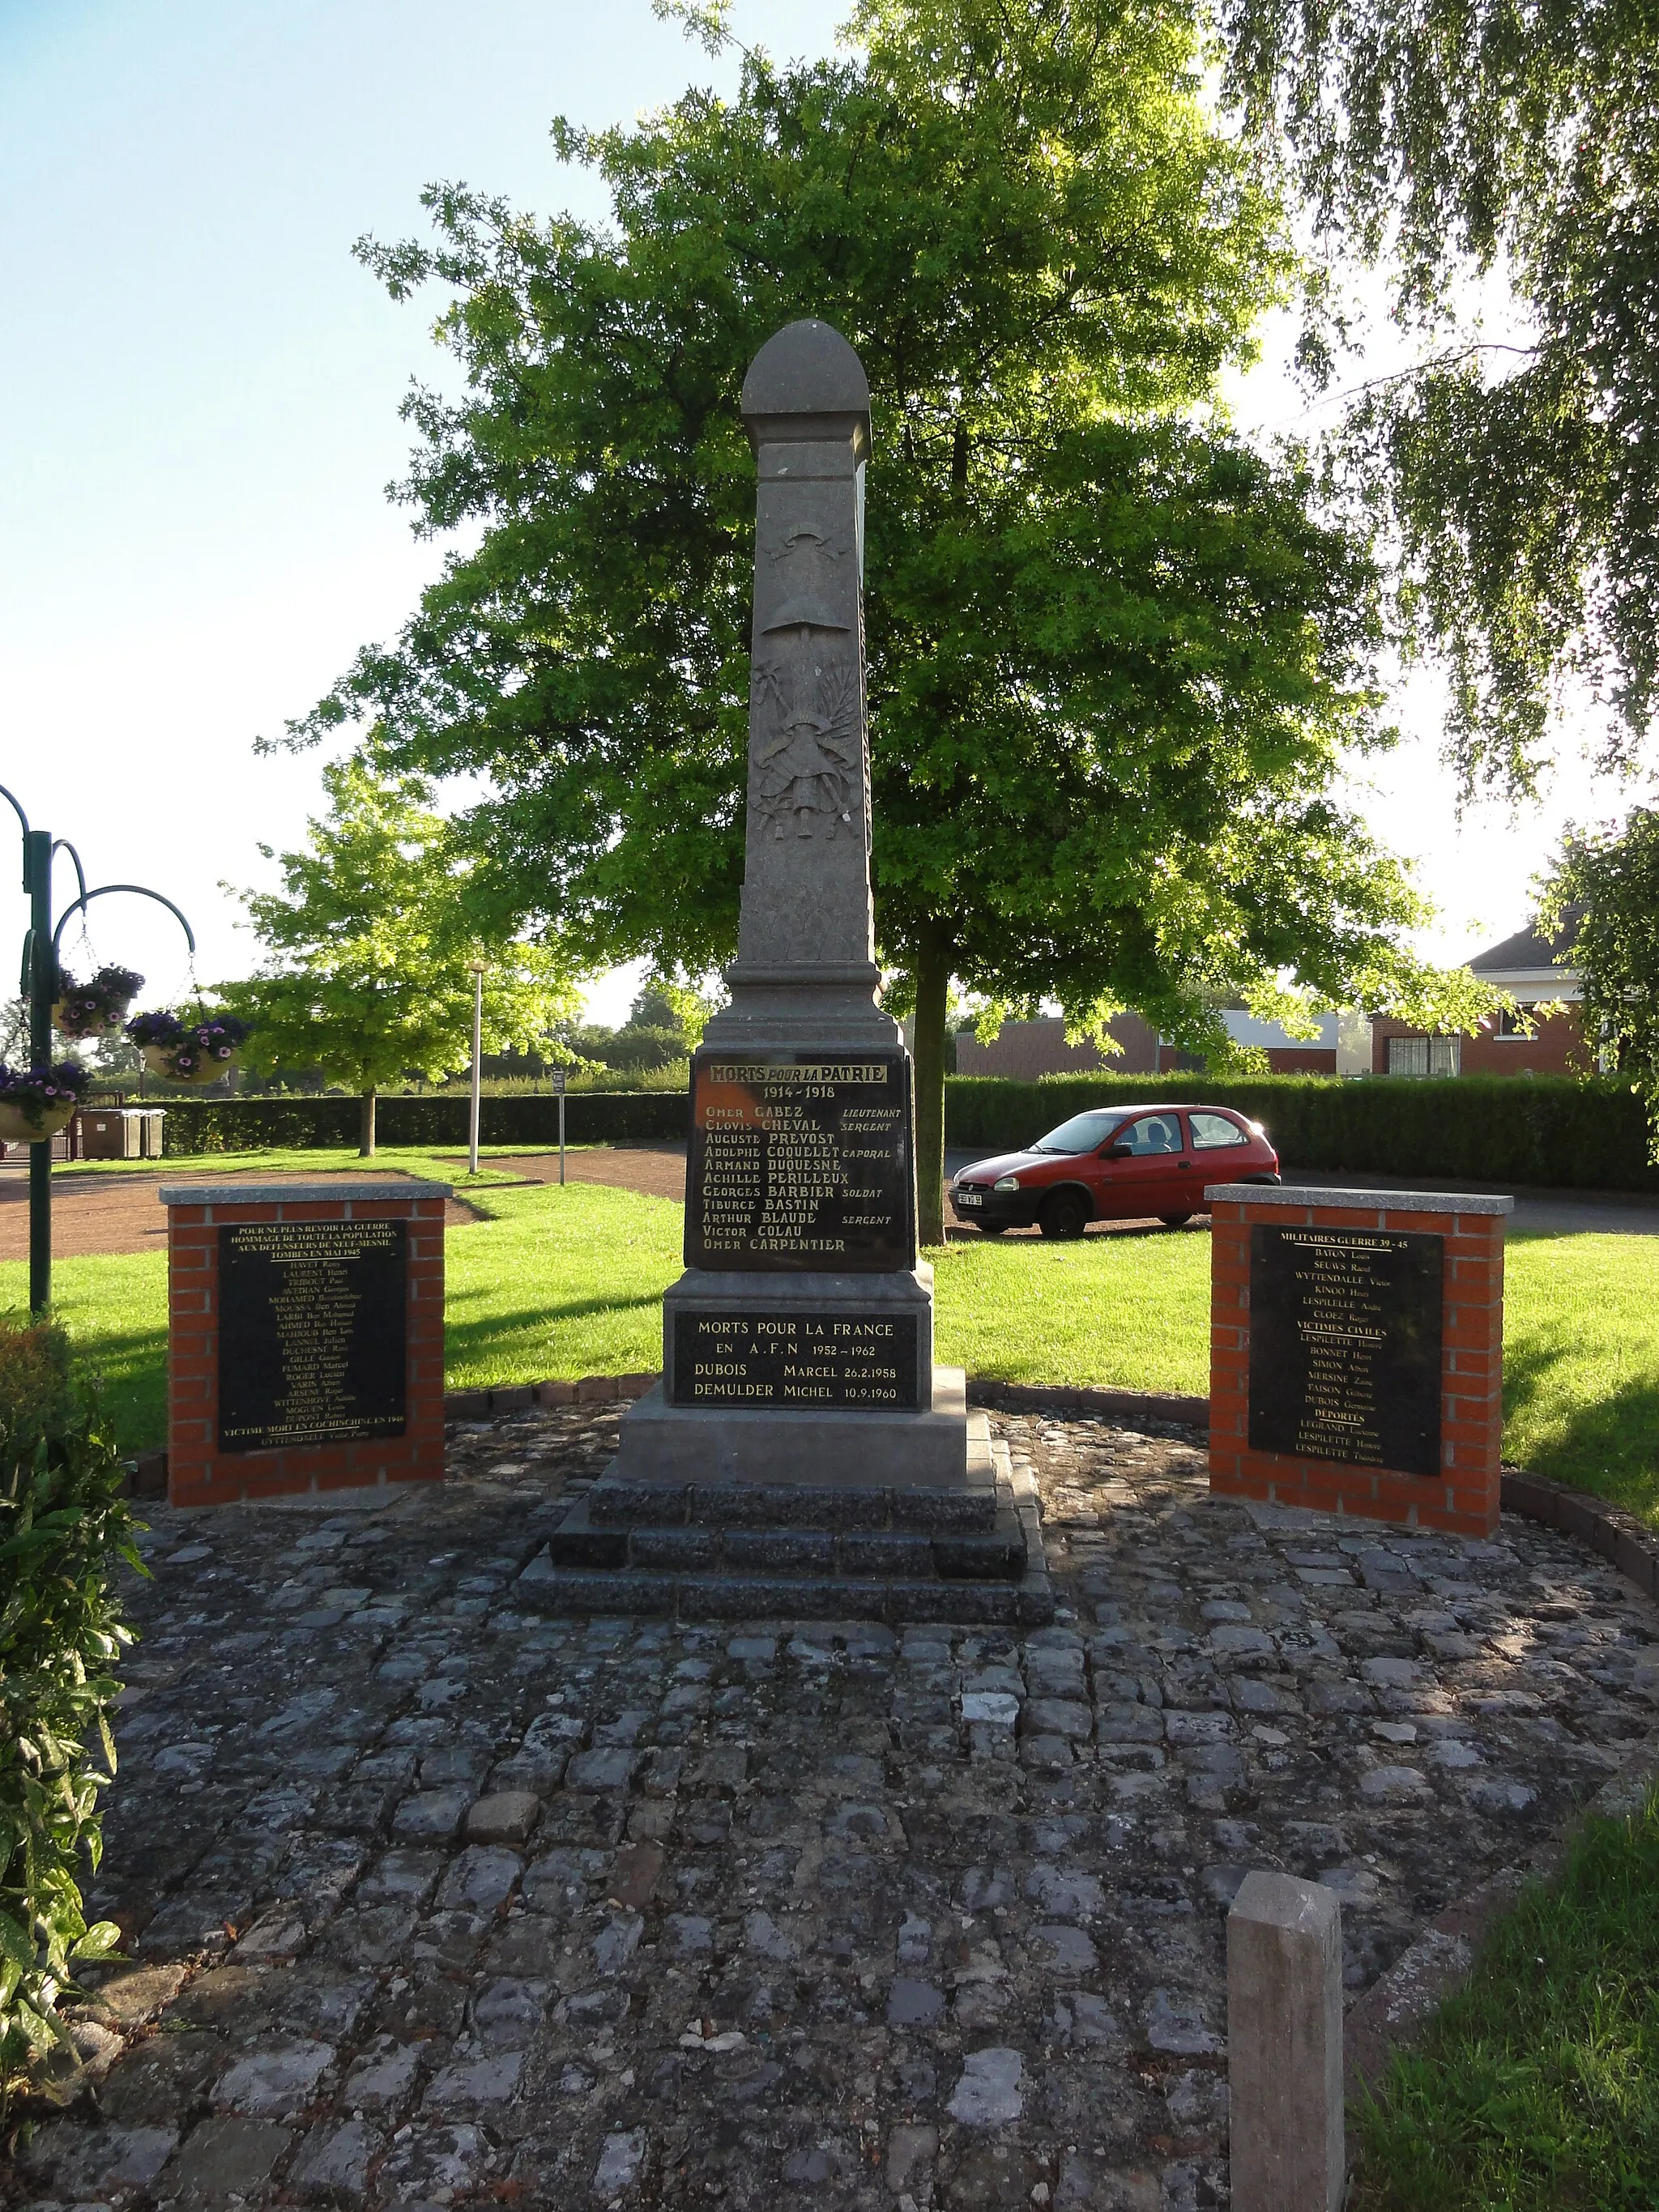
366 1126
932 986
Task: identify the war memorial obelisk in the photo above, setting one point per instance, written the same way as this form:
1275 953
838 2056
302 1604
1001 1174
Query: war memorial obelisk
802 1453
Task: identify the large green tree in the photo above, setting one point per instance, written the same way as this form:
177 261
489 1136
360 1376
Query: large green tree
1602 899
1448 142
370 944
1115 655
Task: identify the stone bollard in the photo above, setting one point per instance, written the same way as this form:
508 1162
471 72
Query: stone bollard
1285 2045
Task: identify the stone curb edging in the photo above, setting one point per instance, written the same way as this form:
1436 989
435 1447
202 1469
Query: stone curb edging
1619 1537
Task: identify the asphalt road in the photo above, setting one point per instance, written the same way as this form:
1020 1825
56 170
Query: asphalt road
1553 1212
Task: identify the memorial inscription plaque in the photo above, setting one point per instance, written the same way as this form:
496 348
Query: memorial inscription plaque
795 1359
312 1333
1345 1345
800 1161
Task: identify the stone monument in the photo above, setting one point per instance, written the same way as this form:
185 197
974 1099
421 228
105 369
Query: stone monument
802 1452
305 1338
1357 1351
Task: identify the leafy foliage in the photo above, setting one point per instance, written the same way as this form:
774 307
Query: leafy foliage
371 943
1115 655
1460 137
1605 891
64 1526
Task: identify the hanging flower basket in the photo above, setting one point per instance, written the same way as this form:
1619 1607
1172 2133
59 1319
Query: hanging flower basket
198 1051
36 1103
95 1009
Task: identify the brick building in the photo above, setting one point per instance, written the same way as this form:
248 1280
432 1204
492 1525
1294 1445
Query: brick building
1535 969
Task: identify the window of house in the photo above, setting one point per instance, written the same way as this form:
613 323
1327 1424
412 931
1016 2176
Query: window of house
1510 1022
1424 1055
1211 1129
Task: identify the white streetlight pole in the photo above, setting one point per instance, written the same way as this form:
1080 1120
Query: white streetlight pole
478 1042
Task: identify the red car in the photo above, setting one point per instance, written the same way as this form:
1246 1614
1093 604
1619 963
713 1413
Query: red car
1115 1163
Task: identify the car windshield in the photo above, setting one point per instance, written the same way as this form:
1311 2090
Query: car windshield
1083 1132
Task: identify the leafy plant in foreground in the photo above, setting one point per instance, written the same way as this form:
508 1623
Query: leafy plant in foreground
64 1526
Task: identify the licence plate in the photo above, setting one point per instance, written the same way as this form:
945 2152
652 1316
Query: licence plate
970 1197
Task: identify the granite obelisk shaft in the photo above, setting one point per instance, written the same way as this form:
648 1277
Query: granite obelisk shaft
798 1346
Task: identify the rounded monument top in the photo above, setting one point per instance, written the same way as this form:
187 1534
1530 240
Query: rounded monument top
807 369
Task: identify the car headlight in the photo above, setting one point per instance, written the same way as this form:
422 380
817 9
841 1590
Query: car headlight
1007 1182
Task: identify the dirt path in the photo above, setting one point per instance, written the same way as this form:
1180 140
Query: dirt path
104 1214
100 1211
659 1171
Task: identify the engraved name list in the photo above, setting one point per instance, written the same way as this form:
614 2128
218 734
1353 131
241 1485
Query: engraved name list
1345 1345
312 1334
800 1163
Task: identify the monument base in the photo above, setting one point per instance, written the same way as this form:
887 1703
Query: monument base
848 1447
781 1544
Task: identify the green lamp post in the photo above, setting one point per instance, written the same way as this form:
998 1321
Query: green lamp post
38 985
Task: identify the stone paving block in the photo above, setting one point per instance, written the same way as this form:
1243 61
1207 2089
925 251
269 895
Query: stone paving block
383 2075
225 2157
1056 1717
604 1770
95 2163
434 1815
480 1880
507 1816
129 1998
475 2080
990 2092
334 2160
276 2083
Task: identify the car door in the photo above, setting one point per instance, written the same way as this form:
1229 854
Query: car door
1139 1169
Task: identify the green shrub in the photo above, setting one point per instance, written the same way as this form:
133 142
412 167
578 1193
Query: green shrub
1553 1130
64 1526
592 1117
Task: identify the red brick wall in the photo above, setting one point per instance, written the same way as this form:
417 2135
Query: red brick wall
1028 1049
1464 1496
1558 1049
198 1472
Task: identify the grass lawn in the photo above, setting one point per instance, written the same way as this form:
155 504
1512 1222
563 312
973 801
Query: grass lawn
1537 2088
567 1282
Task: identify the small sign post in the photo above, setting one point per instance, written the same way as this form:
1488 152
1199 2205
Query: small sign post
557 1080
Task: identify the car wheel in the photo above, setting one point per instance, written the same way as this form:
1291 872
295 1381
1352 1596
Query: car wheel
1175 1220
1066 1214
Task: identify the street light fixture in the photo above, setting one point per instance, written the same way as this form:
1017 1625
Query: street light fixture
477 968
38 985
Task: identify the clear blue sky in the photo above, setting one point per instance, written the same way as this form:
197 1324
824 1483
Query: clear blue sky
199 391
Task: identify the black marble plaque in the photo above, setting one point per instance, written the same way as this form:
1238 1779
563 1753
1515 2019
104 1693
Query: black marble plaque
312 1333
1345 1345
800 1161
774 1358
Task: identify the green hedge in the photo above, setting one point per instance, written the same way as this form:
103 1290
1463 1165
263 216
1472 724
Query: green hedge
592 1117
64 1531
1553 1130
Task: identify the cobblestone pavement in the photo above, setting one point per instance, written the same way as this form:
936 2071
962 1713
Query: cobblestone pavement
431 1902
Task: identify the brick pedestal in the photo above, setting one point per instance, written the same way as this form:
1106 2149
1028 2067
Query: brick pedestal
1463 1495
200 1472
